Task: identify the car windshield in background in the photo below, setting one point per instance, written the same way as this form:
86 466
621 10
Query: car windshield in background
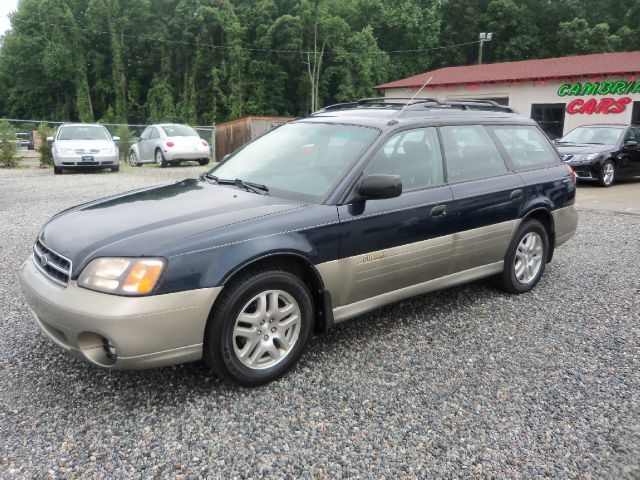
83 133
298 160
179 131
594 135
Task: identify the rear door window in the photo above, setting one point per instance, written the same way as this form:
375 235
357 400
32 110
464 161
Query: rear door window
470 153
526 146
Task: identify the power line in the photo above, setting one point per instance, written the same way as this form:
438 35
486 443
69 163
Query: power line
236 47
22 120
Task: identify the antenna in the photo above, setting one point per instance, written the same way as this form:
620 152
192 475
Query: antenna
395 119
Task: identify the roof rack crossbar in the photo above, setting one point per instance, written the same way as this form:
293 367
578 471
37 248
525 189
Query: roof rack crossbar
416 103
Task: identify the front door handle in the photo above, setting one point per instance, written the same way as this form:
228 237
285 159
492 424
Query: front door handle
439 211
516 194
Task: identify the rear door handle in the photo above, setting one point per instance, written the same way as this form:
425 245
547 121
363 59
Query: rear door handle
439 211
516 194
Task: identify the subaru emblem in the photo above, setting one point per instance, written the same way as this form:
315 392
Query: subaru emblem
44 260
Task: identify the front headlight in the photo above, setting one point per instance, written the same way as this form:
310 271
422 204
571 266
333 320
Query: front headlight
65 151
122 276
585 157
108 151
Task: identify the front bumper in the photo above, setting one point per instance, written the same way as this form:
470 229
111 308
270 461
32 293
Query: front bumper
146 332
75 161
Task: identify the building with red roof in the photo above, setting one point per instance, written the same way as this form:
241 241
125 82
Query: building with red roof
560 93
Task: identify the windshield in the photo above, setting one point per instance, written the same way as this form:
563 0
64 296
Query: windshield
595 135
298 160
179 131
83 133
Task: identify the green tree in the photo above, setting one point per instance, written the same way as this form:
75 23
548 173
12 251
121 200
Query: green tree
8 145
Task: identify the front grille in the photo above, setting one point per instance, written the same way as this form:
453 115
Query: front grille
566 158
87 151
56 267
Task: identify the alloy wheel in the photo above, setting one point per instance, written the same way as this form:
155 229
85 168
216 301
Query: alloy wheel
267 329
528 258
608 173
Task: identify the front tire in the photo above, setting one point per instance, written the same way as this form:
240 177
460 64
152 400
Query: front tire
57 170
526 258
259 327
160 160
203 161
607 174
133 160
115 169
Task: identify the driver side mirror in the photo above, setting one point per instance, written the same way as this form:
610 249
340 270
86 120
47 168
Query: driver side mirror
49 139
378 187
116 139
630 143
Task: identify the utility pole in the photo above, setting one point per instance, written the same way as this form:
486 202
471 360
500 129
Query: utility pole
484 37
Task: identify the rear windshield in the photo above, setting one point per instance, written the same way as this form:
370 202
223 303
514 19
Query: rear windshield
179 131
83 133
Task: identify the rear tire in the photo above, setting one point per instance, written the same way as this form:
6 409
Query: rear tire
160 160
526 258
203 161
259 327
57 170
607 174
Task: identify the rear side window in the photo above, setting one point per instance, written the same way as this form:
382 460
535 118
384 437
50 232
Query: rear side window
470 153
526 146
412 154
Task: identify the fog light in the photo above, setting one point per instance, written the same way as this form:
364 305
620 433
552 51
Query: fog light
109 349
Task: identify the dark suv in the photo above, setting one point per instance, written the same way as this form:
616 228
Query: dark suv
602 152
318 221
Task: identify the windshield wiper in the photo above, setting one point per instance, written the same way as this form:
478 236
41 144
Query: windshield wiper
248 186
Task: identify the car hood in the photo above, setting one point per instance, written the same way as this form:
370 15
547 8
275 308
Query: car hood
146 222
84 144
579 148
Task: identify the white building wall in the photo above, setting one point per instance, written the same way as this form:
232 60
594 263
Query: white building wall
523 94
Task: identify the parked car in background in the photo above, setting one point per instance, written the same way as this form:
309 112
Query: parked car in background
318 221
602 153
169 144
84 146
24 140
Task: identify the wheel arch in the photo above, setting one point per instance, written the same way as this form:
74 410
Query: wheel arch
543 215
299 265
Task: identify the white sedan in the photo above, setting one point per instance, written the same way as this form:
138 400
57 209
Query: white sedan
169 143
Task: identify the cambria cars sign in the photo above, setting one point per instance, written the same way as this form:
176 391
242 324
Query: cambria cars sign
604 105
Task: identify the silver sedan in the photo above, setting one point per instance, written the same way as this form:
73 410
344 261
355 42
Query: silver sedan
169 143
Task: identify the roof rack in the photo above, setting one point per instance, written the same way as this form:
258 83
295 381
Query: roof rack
420 103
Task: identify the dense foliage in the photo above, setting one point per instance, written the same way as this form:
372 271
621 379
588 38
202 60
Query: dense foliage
204 61
8 145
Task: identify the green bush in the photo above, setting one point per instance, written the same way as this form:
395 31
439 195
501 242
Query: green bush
8 145
125 142
46 155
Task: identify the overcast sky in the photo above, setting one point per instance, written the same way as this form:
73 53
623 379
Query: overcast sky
6 7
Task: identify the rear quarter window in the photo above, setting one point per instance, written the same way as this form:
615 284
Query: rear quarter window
526 146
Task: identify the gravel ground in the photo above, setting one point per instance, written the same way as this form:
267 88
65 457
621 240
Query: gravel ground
467 382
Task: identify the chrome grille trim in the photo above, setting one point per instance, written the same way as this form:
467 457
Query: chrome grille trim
57 268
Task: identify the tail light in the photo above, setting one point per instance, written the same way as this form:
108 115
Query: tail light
205 144
574 177
170 144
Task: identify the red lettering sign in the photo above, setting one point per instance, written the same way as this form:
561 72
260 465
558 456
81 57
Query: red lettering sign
591 106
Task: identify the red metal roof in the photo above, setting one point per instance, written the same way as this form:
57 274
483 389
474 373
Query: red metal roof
544 69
